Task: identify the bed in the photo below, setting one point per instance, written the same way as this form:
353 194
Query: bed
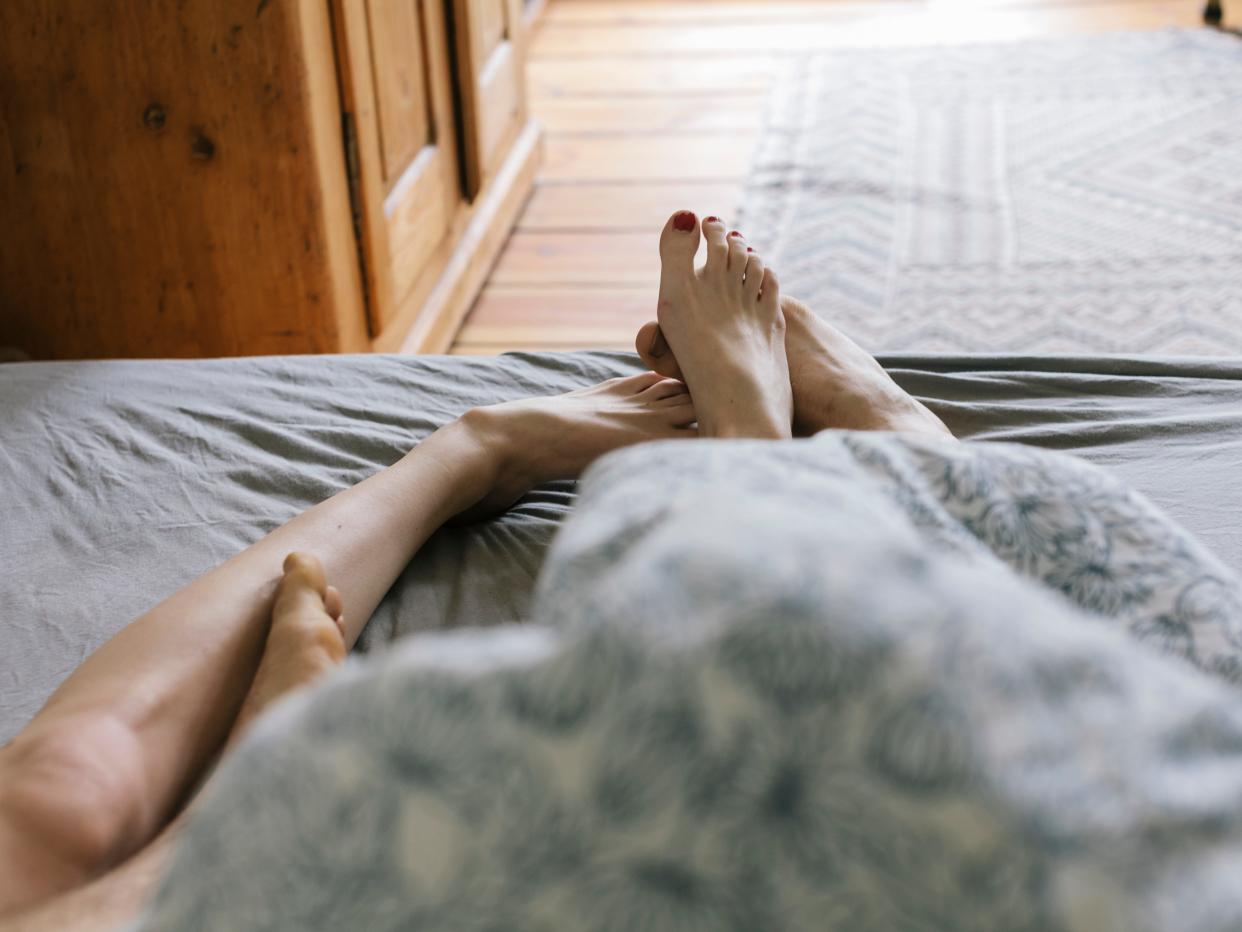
123 480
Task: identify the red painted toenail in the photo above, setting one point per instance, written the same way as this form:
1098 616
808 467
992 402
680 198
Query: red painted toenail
750 248
735 233
712 220
683 221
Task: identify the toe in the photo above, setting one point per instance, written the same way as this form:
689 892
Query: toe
636 384
664 389
679 415
753 282
717 246
770 293
679 241
304 571
332 602
303 596
737 255
654 350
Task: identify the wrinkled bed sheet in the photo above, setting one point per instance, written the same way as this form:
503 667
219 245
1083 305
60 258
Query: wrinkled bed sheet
855 682
120 481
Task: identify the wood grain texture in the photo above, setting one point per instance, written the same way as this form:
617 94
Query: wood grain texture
705 157
398 62
624 87
612 74
678 114
601 207
615 306
574 259
695 12
407 220
490 82
129 185
434 321
873 26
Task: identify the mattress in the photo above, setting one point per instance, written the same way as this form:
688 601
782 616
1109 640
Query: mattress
123 480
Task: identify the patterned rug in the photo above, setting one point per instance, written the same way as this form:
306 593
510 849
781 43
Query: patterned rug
1079 196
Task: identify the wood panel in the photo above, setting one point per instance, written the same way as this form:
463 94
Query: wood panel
133 190
408 185
430 325
489 26
399 67
491 82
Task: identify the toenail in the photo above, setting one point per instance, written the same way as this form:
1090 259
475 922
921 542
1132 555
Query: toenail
712 220
683 221
735 233
750 248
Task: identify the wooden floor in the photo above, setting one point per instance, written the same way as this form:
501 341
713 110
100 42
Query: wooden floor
654 105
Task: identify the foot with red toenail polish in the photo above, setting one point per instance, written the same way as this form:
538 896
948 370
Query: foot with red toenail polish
723 323
835 383
684 221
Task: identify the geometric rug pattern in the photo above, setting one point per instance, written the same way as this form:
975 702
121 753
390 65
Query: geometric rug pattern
1072 195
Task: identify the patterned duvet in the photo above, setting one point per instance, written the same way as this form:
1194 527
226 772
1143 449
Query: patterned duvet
854 682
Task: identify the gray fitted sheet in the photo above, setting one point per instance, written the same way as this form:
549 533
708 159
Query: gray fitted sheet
122 481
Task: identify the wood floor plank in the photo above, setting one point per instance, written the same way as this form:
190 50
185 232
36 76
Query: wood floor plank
667 114
589 342
608 74
717 157
501 306
552 338
624 207
875 28
691 12
578 259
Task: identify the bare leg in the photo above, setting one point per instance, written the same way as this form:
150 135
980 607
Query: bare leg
835 382
103 767
305 640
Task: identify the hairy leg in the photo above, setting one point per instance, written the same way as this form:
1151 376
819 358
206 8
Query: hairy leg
105 764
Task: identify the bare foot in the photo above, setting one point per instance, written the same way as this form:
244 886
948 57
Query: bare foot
542 439
725 326
306 638
836 383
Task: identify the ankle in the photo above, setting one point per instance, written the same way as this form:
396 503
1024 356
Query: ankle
759 421
503 432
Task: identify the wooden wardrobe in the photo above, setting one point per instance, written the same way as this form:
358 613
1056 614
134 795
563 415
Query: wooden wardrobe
236 177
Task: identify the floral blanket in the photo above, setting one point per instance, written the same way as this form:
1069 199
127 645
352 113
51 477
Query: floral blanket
854 682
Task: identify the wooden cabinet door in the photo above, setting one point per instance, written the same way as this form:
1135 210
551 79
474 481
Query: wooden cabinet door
491 82
398 103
